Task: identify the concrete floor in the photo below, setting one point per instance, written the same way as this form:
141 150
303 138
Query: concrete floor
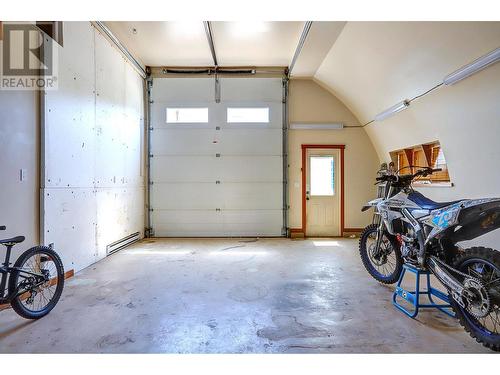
231 296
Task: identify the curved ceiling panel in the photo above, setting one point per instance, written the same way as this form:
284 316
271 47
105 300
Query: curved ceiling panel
374 65
320 39
256 42
182 43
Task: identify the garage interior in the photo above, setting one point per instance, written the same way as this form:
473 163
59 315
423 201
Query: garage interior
203 181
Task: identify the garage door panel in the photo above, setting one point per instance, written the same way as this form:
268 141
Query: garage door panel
243 141
177 141
183 89
183 223
202 141
251 89
188 196
211 169
252 222
245 196
184 168
198 217
200 223
251 168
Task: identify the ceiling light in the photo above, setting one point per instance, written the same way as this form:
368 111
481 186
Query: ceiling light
473 67
393 110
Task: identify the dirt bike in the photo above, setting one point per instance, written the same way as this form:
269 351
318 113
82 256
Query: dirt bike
415 230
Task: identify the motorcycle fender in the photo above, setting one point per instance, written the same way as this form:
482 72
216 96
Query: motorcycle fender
477 218
370 204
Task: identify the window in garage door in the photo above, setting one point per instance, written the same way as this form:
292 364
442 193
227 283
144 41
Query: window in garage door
187 115
222 176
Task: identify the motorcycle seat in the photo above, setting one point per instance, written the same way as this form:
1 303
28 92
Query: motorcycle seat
13 240
426 203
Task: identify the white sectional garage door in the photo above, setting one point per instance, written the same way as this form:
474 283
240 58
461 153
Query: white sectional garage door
216 168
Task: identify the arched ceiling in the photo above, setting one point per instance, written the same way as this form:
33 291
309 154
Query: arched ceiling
370 66
374 65
251 43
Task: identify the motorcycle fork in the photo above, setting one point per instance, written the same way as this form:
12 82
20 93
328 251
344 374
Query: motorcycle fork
378 243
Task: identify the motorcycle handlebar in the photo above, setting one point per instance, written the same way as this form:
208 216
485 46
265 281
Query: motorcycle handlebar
394 178
387 178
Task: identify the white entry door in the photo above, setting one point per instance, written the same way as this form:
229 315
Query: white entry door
216 168
323 192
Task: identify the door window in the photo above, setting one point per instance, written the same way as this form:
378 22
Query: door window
322 175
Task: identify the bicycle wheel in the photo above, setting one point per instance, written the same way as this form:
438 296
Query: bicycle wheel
36 296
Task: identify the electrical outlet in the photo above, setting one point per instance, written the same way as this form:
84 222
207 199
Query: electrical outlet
22 174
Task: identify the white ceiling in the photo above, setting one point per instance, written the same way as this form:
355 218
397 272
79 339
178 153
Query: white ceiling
374 65
320 40
256 43
249 43
165 43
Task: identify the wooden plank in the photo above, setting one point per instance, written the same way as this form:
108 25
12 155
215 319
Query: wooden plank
409 155
428 154
67 275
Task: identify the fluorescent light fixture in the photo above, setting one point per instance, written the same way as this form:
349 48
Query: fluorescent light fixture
393 110
473 67
301 126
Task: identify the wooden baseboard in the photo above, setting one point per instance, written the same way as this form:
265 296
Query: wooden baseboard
297 233
349 232
67 275
353 230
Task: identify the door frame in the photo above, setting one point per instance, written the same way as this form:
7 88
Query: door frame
306 147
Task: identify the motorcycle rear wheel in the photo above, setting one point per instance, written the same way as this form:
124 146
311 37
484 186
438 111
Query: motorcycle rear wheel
484 264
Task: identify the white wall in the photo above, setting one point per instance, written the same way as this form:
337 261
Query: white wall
19 150
93 186
374 65
310 103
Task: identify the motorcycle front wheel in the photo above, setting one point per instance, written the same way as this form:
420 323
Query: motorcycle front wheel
385 265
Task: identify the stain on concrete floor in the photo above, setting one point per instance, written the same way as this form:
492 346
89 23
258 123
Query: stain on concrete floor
266 296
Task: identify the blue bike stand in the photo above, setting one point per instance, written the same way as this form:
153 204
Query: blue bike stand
413 297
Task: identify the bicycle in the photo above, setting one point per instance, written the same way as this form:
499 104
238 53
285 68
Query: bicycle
35 282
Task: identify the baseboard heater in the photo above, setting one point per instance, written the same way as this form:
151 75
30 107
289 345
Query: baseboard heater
123 242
